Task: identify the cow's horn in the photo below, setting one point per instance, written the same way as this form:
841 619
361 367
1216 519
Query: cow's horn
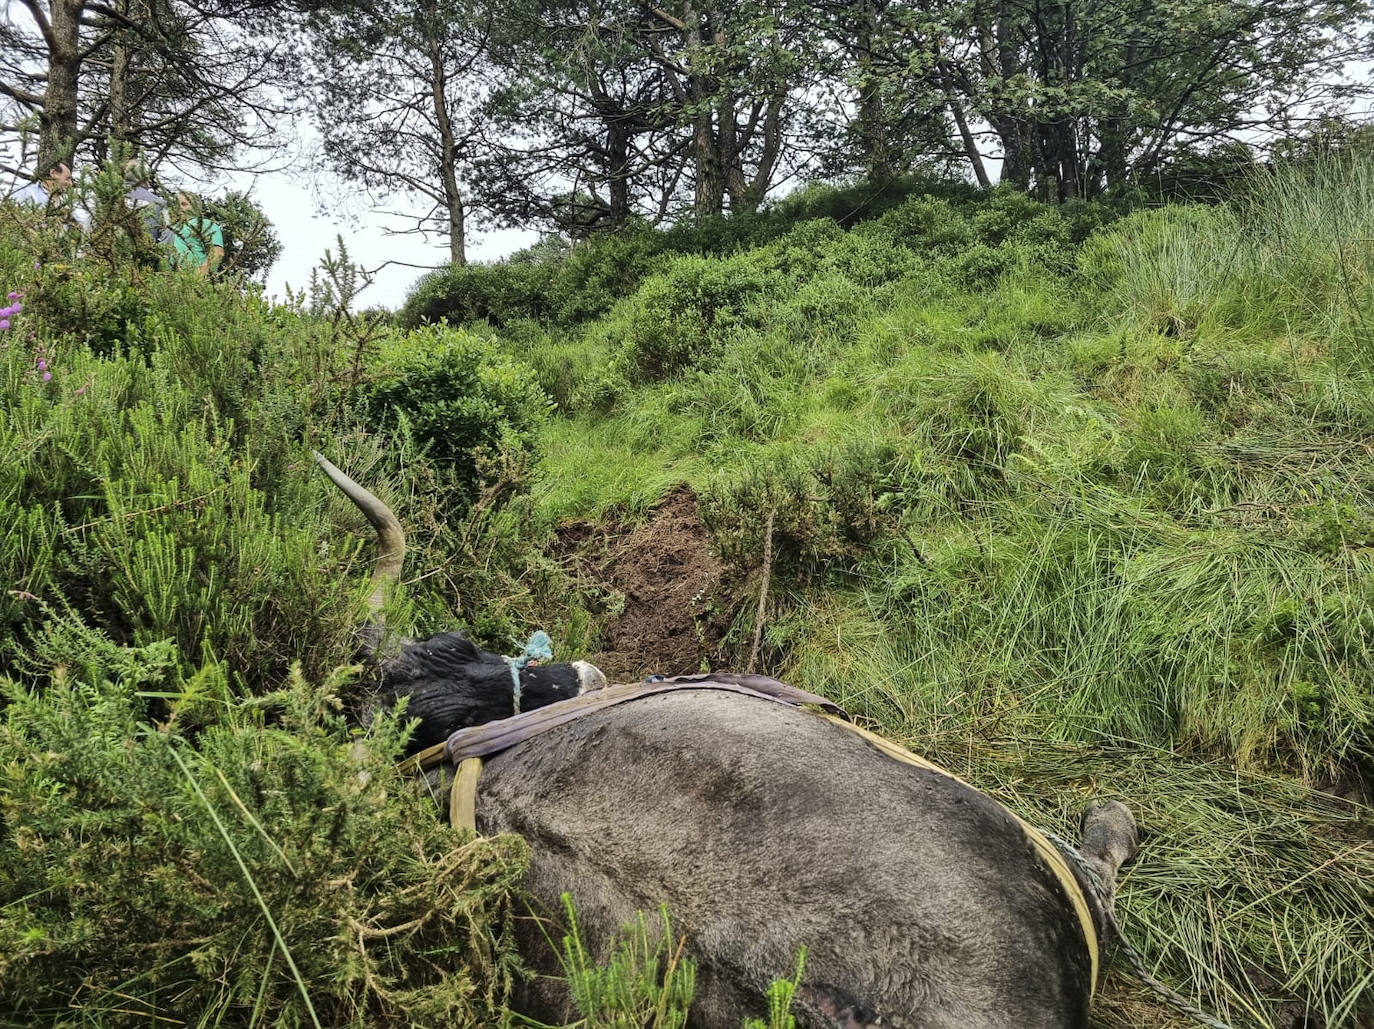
391 538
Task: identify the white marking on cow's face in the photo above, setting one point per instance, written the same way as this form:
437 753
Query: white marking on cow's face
589 677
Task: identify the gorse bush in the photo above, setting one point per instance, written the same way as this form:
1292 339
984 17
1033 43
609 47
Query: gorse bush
460 399
188 831
152 525
261 869
828 511
645 981
251 243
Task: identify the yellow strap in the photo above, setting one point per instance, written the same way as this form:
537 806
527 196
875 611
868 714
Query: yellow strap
1048 851
427 758
462 797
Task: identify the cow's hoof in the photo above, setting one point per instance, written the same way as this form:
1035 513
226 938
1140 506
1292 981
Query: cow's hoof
1109 833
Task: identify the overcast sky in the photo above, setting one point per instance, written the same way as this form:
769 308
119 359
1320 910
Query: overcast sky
309 216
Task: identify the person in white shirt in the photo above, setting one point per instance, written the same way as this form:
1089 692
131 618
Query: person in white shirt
55 181
49 193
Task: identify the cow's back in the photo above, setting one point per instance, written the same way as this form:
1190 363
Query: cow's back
921 902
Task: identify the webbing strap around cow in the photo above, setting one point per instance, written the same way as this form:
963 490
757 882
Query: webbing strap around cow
502 734
462 797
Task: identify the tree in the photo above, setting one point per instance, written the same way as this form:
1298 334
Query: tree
895 111
654 104
1084 95
398 91
583 136
185 81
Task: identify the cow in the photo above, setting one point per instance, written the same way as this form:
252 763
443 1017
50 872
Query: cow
765 827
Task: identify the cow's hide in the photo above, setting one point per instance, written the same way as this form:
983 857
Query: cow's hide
922 903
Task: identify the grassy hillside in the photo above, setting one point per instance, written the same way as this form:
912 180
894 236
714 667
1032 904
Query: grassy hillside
1073 502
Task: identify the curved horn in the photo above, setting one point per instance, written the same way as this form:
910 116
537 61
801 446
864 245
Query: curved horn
391 538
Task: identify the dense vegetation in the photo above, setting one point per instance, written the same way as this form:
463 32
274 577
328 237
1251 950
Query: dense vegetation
1073 499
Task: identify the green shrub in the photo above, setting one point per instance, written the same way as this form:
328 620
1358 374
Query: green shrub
603 270
87 303
928 225
680 317
132 502
828 508
498 293
1007 212
863 200
459 398
251 244
258 871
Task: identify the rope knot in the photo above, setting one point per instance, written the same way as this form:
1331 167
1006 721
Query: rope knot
539 648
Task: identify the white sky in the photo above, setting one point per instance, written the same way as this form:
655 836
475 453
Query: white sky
309 216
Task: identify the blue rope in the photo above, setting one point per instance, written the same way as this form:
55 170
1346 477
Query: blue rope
539 648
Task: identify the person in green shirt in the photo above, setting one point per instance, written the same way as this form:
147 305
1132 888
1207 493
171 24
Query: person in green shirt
197 242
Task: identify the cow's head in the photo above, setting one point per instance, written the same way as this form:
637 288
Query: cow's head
449 681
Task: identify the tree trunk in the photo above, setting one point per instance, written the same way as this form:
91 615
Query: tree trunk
1014 135
710 176
768 154
57 122
121 118
1113 157
448 160
872 113
618 170
975 159
1012 125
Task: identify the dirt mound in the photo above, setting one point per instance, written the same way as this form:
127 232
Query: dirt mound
669 581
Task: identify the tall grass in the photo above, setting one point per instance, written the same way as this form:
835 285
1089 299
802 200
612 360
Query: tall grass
1309 239
1293 252
1115 500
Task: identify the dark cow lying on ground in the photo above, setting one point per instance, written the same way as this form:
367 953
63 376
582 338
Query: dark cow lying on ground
922 903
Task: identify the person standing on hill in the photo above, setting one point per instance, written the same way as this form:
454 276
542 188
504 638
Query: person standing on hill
51 192
197 241
150 207
55 181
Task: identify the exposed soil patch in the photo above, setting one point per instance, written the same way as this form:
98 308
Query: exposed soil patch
662 580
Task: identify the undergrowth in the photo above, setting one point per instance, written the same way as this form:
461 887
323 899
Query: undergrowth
1073 503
